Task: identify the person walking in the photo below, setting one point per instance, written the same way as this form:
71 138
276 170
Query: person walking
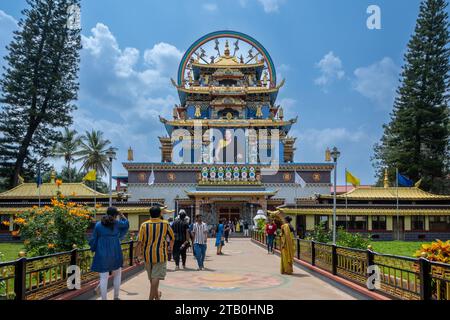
246 228
108 256
182 237
227 229
220 236
200 234
287 247
152 247
271 229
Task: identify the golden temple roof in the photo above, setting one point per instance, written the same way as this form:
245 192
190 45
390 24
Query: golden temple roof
228 123
389 193
48 190
373 211
228 90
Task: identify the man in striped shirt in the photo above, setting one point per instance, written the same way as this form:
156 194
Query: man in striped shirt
152 246
200 232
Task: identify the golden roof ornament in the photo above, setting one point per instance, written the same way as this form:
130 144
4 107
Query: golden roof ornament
328 155
52 176
130 154
227 49
386 179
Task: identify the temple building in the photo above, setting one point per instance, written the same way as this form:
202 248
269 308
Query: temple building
227 152
383 213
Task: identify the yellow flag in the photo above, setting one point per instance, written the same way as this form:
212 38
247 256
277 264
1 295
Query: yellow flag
352 179
91 176
418 183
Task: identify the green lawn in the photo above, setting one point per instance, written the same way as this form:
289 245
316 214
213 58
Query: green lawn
10 250
399 248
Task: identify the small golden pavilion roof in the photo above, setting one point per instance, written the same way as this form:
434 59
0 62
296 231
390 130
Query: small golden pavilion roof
49 190
389 193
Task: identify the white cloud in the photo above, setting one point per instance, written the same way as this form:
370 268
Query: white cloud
378 82
269 6
211 7
330 69
124 91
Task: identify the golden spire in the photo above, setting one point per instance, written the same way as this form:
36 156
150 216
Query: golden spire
328 155
130 155
227 49
386 178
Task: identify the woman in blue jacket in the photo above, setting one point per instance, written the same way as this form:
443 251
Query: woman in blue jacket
105 242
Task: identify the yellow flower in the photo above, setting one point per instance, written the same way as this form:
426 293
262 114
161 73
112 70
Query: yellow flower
6 223
51 245
59 182
98 205
19 221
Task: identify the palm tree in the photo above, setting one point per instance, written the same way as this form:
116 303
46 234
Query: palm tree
67 148
92 152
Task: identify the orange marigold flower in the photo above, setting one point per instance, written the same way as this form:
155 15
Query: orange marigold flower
58 182
19 221
71 204
6 223
98 205
51 245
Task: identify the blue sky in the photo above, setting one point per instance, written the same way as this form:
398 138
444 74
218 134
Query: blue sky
341 77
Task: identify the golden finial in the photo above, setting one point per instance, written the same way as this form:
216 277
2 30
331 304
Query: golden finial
130 154
328 155
227 49
22 254
369 247
386 179
52 176
74 246
280 113
258 112
198 112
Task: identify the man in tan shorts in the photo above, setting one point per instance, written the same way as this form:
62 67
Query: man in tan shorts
152 248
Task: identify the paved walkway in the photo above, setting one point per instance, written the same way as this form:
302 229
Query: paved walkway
246 271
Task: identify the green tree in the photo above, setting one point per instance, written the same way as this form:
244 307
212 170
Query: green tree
67 148
38 86
416 141
92 153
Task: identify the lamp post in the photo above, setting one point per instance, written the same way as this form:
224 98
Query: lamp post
111 154
335 153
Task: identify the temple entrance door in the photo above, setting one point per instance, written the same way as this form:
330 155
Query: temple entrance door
230 213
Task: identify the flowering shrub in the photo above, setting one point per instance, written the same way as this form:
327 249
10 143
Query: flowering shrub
436 251
54 228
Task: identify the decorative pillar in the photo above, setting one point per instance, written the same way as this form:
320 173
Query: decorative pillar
427 223
369 223
197 206
11 222
309 222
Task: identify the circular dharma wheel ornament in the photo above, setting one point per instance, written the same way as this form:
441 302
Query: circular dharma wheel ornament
287 177
316 177
142 177
230 49
171 176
